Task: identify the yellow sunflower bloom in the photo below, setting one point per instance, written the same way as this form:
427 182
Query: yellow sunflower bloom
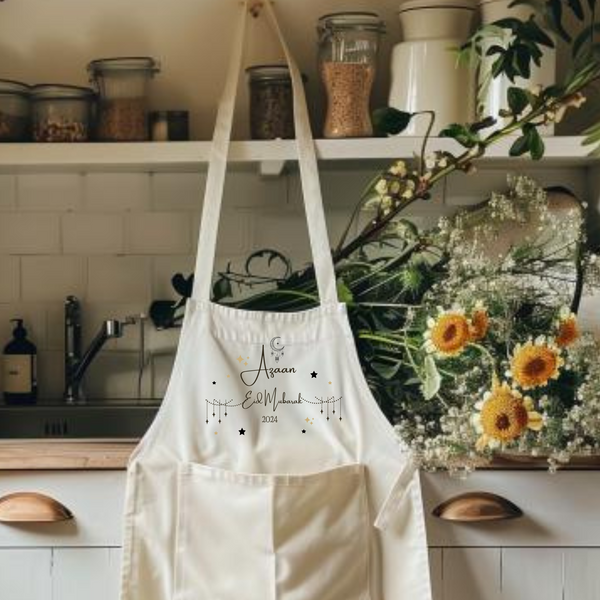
480 321
504 415
567 328
448 334
535 363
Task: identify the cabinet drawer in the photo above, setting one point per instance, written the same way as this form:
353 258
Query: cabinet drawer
559 510
94 497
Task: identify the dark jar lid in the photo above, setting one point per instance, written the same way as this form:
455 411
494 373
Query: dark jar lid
8 86
123 63
59 91
353 20
264 73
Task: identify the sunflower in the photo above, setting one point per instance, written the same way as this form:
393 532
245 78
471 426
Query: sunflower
534 363
567 328
448 334
504 415
480 321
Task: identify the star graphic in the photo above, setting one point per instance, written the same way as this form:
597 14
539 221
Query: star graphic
245 364
313 374
239 358
214 383
242 431
307 419
304 431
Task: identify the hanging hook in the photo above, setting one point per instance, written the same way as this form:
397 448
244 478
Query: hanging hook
255 7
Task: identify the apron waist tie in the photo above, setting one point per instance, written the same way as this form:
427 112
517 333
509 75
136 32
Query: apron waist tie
396 495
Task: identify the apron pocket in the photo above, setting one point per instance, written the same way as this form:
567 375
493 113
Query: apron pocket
272 537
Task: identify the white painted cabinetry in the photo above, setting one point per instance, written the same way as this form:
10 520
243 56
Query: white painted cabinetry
551 553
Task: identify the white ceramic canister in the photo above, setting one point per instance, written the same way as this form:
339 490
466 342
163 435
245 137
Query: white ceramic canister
425 75
494 96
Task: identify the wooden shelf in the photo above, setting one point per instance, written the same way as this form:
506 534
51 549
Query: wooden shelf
271 155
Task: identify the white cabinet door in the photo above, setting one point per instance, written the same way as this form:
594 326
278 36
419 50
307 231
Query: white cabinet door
532 574
582 573
25 574
86 573
471 574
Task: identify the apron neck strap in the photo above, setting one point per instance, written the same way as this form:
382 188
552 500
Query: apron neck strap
309 174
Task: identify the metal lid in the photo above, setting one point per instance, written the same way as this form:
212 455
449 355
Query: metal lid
452 4
270 73
59 91
366 21
8 86
124 63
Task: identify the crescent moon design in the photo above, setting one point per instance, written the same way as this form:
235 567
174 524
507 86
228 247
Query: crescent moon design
274 345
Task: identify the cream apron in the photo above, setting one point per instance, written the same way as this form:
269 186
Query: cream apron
269 472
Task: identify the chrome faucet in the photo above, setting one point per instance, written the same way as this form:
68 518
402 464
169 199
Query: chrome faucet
76 362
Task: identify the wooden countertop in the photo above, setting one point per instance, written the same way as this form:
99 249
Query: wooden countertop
85 454
97 455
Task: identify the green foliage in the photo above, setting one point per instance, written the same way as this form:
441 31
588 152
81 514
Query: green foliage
530 142
390 121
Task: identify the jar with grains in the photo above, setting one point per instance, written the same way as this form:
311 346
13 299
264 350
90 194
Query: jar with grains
14 111
271 102
61 113
122 85
348 47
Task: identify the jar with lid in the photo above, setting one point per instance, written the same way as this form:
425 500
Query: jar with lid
271 102
348 48
122 85
61 113
14 111
424 73
493 98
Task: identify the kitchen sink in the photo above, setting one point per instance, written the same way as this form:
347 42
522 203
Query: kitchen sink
97 419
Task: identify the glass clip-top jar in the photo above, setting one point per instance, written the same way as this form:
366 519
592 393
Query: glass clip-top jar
14 111
348 48
61 113
271 102
122 85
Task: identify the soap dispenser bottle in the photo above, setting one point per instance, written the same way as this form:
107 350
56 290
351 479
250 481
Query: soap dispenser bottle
20 368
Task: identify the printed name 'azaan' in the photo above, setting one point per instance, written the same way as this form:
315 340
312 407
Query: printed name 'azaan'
263 368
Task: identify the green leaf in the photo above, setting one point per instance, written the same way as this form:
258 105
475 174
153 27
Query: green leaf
536 144
520 146
576 8
517 100
587 35
222 289
432 379
390 121
344 293
386 370
462 134
555 13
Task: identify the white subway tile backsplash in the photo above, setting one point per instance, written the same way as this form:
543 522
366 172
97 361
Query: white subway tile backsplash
159 233
119 279
10 278
117 191
51 375
8 192
245 189
25 233
52 278
114 374
49 191
235 232
177 191
91 233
